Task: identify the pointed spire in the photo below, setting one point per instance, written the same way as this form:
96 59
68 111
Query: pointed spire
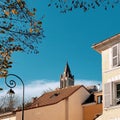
66 79
67 71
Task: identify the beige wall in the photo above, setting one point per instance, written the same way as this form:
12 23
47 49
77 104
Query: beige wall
68 109
105 60
75 104
107 71
109 74
53 112
110 114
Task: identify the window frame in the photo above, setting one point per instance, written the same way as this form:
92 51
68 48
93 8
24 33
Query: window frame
107 95
117 56
110 94
117 99
117 90
99 99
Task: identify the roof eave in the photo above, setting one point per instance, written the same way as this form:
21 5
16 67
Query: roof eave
78 87
105 44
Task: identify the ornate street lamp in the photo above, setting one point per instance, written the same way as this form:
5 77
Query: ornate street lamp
11 83
10 92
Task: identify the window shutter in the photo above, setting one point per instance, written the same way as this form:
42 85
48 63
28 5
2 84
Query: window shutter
115 55
107 94
110 58
119 54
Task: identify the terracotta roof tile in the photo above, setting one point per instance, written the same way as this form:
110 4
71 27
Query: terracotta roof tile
54 96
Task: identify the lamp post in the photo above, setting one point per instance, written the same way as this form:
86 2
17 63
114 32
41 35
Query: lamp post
11 83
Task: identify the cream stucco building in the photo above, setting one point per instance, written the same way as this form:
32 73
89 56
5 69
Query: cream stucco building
110 52
63 104
69 102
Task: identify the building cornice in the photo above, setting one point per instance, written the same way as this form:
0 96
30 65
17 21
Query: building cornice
105 44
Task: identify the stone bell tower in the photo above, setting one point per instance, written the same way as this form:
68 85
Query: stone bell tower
66 79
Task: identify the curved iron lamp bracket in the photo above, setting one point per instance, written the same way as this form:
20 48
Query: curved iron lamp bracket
11 83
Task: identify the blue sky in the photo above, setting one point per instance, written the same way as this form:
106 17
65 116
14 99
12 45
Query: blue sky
69 37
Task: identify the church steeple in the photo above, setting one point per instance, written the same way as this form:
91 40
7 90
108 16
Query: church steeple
66 79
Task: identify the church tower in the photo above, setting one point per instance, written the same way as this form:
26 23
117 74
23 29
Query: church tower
66 79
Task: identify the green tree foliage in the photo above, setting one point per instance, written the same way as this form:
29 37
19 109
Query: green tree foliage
85 5
19 31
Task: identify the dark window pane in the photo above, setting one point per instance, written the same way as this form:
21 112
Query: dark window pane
114 61
118 86
118 90
118 94
114 51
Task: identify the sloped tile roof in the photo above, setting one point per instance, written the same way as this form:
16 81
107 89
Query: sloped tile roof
54 96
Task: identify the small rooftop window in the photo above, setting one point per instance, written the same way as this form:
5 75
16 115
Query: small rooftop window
55 95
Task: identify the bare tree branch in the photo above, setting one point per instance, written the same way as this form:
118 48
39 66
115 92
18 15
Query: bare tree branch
85 5
19 31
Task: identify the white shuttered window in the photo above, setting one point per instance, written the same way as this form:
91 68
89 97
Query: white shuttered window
116 55
108 94
111 94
